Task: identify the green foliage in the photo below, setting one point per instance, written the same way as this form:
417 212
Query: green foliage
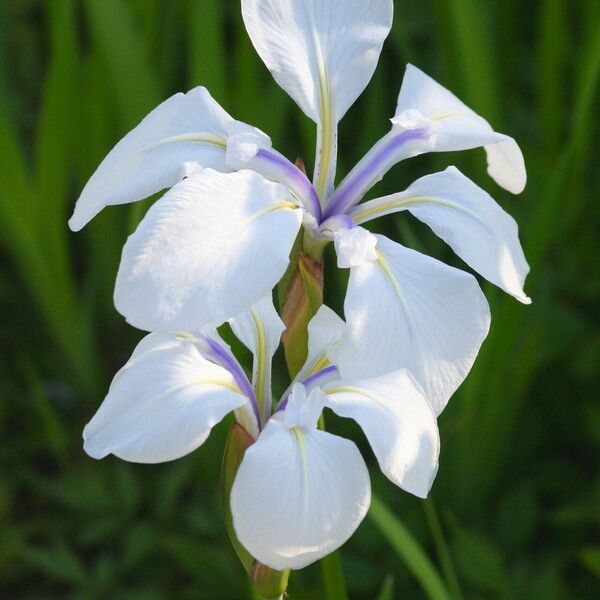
518 494
408 550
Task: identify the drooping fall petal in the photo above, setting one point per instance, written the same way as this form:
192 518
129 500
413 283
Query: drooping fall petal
162 405
399 423
185 132
316 483
210 248
407 310
468 219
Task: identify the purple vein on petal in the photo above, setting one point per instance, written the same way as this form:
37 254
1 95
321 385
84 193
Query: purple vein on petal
223 358
371 169
281 169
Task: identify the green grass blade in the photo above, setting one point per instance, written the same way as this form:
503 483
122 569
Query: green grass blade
333 577
133 84
26 242
387 589
55 148
408 550
135 88
442 548
471 43
106 234
206 47
552 55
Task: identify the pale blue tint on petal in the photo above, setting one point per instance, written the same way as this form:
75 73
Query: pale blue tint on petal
223 357
391 149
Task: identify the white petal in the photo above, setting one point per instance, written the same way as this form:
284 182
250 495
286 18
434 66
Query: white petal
157 341
407 310
241 148
244 153
354 247
394 414
461 128
260 329
323 54
318 489
184 133
309 45
303 410
324 330
150 343
468 219
259 325
210 248
162 405
506 165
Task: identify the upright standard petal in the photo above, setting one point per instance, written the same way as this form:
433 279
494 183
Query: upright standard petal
260 329
468 219
407 310
181 134
210 248
323 54
317 485
401 427
162 405
461 128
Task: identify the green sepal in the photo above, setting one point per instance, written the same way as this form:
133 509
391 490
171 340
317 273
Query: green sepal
268 582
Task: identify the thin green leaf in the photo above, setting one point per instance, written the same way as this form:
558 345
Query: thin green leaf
206 47
472 44
552 55
387 589
133 84
333 577
50 420
441 546
408 550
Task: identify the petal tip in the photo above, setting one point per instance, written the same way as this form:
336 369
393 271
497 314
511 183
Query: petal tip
76 223
92 450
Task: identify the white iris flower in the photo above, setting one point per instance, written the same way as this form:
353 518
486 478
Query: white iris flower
299 492
220 239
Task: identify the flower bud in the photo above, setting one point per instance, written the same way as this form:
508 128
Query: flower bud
301 299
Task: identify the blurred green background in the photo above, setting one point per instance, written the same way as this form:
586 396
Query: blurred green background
515 510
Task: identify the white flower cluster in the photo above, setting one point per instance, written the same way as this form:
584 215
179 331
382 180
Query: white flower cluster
213 248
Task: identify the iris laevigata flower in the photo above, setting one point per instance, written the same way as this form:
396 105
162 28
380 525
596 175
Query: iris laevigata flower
220 239
299 492
212 249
